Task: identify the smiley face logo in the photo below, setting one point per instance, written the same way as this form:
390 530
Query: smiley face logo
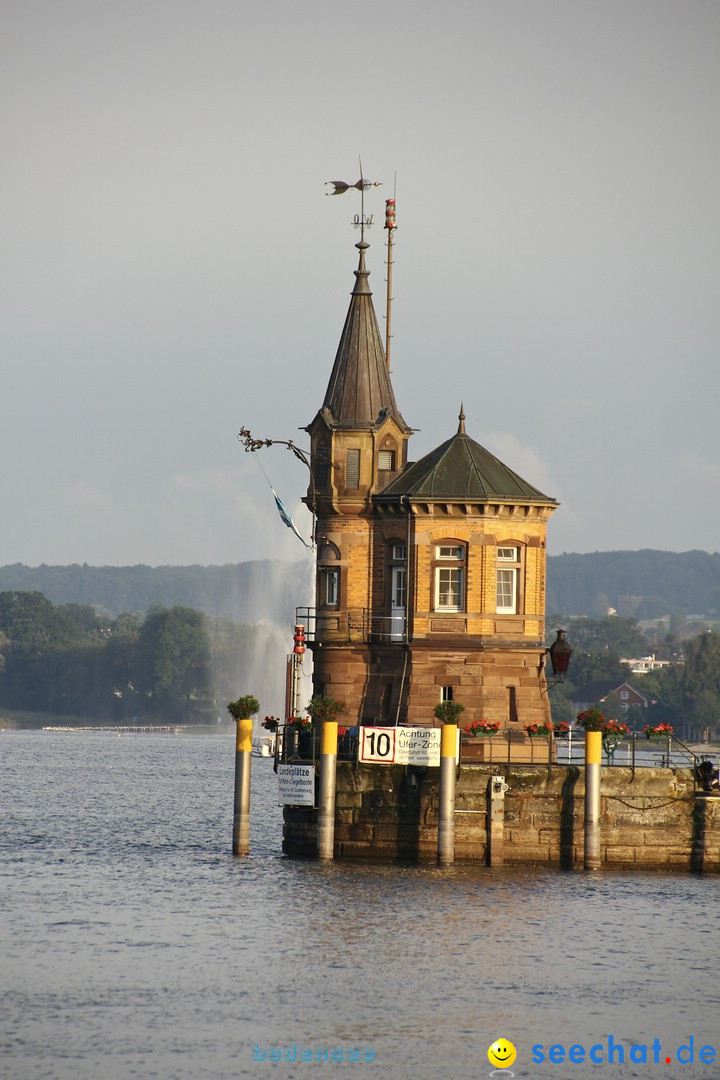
502 1053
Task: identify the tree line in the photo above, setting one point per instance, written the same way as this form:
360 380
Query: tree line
179 664
227 591
172 664
643 584
685 694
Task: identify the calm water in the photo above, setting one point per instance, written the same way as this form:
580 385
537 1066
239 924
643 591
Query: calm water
134 945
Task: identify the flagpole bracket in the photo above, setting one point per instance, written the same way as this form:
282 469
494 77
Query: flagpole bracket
252 444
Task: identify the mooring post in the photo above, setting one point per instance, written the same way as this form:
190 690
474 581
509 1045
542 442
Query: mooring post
328 773
496 820
593 765
241 809
446 809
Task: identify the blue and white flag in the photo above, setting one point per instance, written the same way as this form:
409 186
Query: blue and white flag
286 517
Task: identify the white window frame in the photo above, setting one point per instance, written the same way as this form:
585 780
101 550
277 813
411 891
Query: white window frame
330 587
449 579
508 574
399 581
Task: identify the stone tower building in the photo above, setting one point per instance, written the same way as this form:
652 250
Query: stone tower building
430 575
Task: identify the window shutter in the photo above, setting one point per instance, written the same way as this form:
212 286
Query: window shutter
352 469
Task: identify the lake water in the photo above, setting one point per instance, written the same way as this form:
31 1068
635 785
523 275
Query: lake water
135 945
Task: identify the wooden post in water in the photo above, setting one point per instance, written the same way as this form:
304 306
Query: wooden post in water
446 810
593 768
328 773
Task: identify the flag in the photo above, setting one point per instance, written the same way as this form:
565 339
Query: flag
286 517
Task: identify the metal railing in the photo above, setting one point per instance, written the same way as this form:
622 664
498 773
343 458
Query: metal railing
295 745
509 748
351 625
633 751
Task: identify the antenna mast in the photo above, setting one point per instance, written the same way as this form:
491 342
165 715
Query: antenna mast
390 226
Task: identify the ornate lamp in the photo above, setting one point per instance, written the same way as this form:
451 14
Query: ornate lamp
560 653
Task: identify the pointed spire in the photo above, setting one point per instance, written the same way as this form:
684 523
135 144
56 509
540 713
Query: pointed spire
359 393
461 418
362 286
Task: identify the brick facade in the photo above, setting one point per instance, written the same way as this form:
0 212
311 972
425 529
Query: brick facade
381 526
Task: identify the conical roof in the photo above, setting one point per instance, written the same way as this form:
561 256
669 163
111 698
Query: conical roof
359 393
462 470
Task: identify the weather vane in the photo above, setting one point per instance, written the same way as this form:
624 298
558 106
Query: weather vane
362 220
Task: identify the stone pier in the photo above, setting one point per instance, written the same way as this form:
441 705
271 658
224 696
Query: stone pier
651 819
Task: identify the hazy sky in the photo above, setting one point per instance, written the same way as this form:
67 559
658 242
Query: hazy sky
172 269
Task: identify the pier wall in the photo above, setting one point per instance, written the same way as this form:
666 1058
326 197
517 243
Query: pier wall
651 818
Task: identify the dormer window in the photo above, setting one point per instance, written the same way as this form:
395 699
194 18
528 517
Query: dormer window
386 460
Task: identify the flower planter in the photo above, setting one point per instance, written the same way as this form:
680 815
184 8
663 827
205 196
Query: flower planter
518 749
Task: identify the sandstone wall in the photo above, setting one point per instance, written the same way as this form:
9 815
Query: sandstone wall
651 819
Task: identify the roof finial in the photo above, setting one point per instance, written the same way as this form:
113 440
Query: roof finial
362 220
461 418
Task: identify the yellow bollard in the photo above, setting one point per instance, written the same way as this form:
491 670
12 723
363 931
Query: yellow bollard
328 772
446 808
241 809
593 769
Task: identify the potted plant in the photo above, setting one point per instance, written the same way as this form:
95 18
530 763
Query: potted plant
538 731
299 723
448 712
244 707
325 708
616 729
591 720
657 731
483 727
613 732
561 730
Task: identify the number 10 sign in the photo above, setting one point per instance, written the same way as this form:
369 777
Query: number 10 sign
399 746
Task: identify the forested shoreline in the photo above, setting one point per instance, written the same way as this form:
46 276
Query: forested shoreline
173 665
177 665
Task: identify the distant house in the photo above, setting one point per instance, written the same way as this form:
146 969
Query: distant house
596 692
640 665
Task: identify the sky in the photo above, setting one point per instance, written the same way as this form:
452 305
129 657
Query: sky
171 268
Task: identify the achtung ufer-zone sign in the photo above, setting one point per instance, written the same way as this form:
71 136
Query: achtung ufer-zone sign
399 746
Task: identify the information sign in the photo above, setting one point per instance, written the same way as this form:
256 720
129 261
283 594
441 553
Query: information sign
296 785
399 746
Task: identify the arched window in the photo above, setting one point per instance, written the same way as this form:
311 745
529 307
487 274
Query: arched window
328 584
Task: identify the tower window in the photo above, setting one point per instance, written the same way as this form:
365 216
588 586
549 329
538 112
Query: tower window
329 587
386 460
508 580
449 577
322 467
446 693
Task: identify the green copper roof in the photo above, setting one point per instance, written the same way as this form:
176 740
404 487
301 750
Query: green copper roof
461 470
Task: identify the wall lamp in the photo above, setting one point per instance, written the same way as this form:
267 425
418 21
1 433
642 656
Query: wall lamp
559 653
